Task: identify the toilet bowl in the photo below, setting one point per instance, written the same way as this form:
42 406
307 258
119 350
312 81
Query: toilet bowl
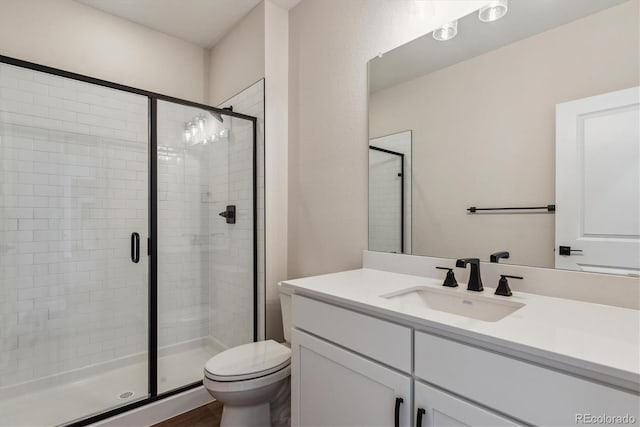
247 378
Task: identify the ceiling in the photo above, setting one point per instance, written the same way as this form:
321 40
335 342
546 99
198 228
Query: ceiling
524 19
201 22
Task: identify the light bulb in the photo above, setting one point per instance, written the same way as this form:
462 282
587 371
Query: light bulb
493 11
200 120
446 32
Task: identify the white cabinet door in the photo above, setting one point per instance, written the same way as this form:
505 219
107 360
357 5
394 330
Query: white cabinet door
510 386
331 386
598 183
435 408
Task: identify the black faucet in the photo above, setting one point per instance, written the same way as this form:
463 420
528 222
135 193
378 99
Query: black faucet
495 257
475 281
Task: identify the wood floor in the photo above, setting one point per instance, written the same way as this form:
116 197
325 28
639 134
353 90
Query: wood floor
204 416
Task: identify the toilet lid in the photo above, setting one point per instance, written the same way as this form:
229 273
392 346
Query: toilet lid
248 361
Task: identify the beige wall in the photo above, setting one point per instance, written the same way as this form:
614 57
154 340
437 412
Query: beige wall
237 60
74 37
276 155
330 44
504 154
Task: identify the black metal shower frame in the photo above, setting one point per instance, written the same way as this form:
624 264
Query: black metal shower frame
152 243
401 155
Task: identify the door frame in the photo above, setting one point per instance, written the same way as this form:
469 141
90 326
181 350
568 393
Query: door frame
401 155
152 243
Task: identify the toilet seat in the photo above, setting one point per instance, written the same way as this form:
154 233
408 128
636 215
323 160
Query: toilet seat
248 362
214 386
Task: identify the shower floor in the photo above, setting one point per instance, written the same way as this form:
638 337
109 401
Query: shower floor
64 402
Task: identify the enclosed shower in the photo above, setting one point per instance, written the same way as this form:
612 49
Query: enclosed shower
127 244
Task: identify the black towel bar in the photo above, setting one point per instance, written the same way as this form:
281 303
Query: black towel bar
548 208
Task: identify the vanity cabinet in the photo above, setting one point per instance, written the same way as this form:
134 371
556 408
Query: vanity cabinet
435 408
525 391
336 387
377 339
349 368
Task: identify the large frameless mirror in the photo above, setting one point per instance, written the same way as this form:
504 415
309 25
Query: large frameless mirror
521 126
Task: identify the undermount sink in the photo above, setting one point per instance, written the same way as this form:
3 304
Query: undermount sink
460 302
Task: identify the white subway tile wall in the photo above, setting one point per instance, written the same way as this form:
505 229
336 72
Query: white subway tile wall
183 228
205 265
73 187
231 279
232 324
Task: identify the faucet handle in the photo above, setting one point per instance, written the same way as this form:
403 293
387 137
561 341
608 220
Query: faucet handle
503 285
450 281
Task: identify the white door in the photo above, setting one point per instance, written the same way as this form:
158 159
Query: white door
598 183
435 408
331 386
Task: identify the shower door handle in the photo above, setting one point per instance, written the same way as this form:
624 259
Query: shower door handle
135 247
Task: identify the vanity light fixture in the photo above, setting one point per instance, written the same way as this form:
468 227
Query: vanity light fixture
446 32
493 11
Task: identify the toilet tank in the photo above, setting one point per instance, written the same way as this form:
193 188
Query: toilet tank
285 306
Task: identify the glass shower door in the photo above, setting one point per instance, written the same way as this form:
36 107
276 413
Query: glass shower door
205 239
73 256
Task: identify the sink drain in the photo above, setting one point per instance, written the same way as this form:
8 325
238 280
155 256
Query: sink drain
125 395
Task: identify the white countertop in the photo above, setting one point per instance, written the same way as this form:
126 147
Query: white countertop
598 341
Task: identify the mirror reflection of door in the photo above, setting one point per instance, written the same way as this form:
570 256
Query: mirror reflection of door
390 193
598 183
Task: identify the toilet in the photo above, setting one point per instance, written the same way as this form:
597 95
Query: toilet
248 377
